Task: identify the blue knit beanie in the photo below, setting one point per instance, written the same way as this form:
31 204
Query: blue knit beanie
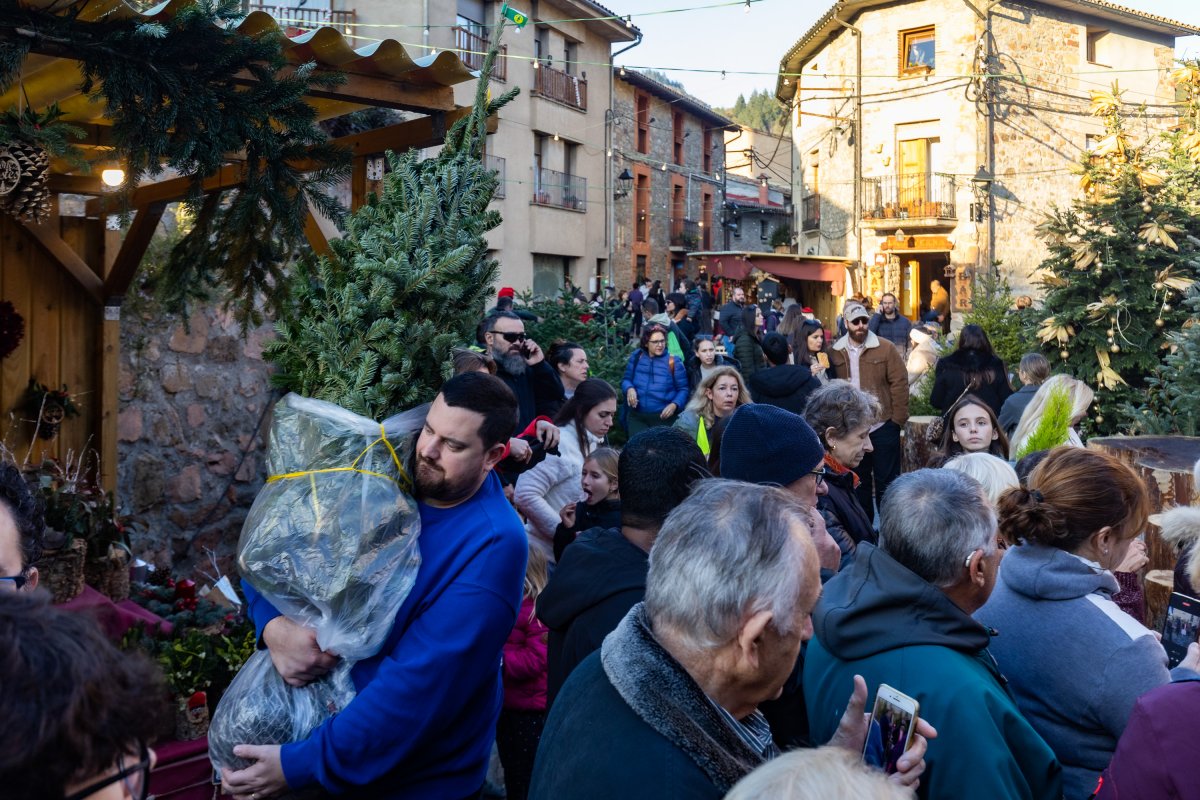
766 444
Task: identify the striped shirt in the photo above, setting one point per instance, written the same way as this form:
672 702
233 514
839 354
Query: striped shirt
753 730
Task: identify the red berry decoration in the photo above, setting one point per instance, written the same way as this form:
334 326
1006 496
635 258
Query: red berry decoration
12 328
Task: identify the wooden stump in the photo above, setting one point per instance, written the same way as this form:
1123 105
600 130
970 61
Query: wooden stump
916 449
1157 585
1165 466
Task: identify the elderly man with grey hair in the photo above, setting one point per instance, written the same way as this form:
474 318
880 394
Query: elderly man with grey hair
901 615
669 706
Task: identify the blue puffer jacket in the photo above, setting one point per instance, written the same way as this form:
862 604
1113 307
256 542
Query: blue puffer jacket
659 381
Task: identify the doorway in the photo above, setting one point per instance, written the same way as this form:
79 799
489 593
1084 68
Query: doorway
917 270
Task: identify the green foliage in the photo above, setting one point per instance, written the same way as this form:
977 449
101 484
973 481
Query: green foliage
781 237
1121 256
1010 332
1171 404
174 90
761 111
919 404
602 336
1052 429
371 326
44 129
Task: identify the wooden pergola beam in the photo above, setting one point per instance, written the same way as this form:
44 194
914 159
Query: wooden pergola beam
77 184
47 235
129 257
171 190
370 90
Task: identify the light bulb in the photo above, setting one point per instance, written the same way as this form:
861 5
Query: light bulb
664 166
747 6
114 176
556 136
629 21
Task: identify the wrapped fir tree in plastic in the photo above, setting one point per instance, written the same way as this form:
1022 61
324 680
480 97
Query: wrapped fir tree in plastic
331 542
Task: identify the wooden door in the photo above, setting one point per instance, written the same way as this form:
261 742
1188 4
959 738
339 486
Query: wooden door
914 174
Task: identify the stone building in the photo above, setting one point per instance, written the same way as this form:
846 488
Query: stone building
758 191
928 136
670 148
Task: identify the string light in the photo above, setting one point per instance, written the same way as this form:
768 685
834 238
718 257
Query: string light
664 166
556 136
747 6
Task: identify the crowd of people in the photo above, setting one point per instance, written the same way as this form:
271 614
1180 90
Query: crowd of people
706 611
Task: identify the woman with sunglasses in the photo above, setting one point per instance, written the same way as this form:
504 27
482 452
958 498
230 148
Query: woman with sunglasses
655 385
77 711
842 416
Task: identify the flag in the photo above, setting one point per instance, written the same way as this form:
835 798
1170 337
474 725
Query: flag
517 18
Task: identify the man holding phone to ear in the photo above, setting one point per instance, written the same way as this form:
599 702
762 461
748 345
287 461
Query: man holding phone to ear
522 365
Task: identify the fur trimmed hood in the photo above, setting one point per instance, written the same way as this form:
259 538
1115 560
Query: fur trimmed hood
1180 526
665 697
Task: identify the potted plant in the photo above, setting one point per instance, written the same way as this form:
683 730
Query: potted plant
50 407
781 239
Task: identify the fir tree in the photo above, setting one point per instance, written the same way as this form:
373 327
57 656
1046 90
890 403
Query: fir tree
1172 399
992 309
1053 429
371 327
1121 256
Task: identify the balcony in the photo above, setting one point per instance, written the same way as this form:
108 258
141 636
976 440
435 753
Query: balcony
685 234
908 201
472 46
300 19
496 164
810 213
561 87
560 190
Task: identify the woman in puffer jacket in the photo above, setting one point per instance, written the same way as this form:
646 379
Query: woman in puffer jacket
655 383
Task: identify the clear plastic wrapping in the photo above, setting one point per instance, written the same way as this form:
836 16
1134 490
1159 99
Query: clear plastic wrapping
331 541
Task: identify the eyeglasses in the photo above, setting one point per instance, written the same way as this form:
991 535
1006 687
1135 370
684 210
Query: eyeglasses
819 473
656 341
135 776
511 337
13 583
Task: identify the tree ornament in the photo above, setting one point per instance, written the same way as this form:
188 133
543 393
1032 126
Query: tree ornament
1146 207
1158 323
1063 354
1166 306
1116 348
1099 419
1141 248
1111 340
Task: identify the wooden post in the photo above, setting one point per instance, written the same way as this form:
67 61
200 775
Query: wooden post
108 368
1164 464
916 451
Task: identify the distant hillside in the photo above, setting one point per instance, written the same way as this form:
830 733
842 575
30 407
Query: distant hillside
761 112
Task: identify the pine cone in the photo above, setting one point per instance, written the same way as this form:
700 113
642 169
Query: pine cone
30 201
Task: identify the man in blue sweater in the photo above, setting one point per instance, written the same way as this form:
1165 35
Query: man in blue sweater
423 721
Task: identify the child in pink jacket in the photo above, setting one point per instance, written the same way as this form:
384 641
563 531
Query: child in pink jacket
524 713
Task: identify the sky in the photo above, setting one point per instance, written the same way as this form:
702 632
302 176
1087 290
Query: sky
733 39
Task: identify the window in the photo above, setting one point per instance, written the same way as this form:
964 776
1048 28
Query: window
917 51
570 56
641 208
708 150
706 218
642 106
762 230
1098 41
677 130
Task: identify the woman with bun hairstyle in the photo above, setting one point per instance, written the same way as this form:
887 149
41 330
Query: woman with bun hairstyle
1076 663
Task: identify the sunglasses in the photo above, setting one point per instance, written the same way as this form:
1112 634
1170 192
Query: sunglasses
511 337
13 583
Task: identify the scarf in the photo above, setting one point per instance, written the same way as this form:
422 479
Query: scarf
835 466
666 698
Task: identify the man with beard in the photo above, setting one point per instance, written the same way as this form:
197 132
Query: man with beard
874 365
424 718
522 365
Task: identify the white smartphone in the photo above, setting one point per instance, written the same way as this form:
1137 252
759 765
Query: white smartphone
893 720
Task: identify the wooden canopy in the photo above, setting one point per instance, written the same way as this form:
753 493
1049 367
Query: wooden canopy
68 276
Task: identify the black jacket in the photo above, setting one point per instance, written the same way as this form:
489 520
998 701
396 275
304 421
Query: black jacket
842 502
538 390
950 379
605 514
601 576
731 318
1014 407
786 386
695 374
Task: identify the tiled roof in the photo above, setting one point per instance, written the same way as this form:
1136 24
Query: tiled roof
683 99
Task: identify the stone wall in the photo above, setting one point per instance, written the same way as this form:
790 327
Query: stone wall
192 431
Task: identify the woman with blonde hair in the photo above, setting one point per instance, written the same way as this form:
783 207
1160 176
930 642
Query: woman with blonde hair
720 394
1080 396
1076 663
829 773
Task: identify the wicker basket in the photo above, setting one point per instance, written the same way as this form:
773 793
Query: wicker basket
61 570
109 575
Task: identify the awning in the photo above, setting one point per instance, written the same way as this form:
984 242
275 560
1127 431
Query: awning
739 265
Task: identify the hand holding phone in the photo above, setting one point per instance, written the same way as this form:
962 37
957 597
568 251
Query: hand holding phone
890 731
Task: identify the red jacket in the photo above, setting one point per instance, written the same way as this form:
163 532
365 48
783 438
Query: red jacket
525 662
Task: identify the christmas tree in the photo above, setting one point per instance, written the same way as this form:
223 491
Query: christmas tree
1172 399
371 326
1121 256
